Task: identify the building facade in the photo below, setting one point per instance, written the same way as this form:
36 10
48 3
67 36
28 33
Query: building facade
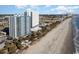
28 22
13 26
35 21
21 25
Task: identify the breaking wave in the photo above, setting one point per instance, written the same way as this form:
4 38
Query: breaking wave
75 23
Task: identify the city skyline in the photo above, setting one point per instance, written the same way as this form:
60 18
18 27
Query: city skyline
42 9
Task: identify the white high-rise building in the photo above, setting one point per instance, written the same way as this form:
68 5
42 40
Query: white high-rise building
12 26
16 26
35 21
28 22
20 25
32 21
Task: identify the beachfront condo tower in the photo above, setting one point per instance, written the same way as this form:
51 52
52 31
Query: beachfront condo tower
20 22
28 21
13 26
21 25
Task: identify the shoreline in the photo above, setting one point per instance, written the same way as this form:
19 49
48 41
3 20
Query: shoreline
49 43
76 37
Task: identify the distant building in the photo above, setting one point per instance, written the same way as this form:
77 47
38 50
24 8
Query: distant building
4 20
2 39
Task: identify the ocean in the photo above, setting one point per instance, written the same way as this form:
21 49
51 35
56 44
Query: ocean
75 21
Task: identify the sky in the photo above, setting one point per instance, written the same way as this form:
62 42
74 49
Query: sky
41 9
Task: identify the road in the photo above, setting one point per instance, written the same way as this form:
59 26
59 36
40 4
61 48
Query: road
57 41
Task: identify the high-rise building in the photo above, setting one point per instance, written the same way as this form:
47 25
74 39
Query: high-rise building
16 26
28 22
20 25
32 21
12 26
35 21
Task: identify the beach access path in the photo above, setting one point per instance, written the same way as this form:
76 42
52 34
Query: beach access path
58 41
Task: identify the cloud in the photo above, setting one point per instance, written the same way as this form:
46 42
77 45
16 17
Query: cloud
27 7
64 9
47 5
50 8
34 7
21 6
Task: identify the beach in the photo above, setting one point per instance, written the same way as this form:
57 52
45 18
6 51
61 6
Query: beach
58 41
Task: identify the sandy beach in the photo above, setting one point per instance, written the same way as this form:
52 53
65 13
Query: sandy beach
57 41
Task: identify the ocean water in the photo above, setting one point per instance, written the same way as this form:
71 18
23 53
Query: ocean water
77 21
76 36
